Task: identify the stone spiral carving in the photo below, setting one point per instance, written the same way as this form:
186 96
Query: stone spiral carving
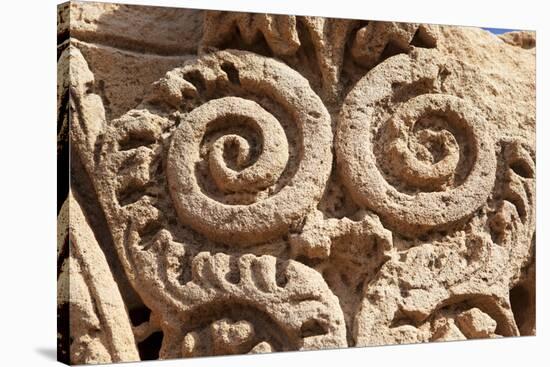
264 171
273 305
245 154
258 192
222 224
422 164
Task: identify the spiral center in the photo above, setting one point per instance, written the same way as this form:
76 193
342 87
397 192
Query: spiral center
420 148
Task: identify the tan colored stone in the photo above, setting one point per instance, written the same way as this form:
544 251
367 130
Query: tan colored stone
523 39
136 28
448 332
100 330
476 324
259 183
262 347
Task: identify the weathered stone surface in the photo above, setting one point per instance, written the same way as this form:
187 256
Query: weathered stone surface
476 324
144 29
524 39
251 183
99 325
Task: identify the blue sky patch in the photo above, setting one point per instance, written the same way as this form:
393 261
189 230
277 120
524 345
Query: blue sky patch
499 30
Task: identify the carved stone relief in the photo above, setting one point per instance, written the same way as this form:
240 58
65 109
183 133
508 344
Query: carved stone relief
253 183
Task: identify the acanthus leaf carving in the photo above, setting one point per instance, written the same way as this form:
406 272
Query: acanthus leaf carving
305 183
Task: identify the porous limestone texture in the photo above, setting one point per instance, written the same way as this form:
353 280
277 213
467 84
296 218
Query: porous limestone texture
253 183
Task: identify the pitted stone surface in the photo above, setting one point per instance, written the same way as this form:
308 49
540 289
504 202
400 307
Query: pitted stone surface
253 183
437 182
